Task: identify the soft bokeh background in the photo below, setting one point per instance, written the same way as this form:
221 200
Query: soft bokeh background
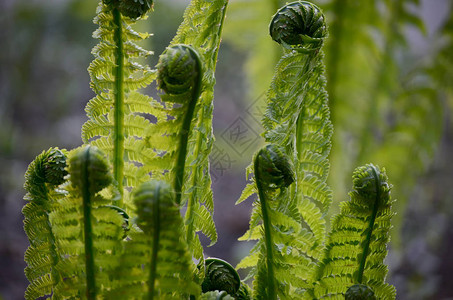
44 86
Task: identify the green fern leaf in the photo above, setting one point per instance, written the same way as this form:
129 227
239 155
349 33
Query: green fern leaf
356 248
43 176
156 256
87 231
297 119
201 29
115 77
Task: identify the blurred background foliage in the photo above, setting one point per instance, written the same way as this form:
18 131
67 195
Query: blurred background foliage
390 77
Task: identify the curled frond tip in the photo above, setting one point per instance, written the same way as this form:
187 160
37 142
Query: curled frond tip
299 25
273 168
133 9
359 292
178 68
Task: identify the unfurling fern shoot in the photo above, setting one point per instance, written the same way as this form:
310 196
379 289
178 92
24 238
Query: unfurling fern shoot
116 123
179 76
170 265
299 25
89 173
44 174
220 276
272 172
355 253
297 121
131 8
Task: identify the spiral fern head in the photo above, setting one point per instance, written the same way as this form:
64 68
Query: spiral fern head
147 196
299 25
371 183
88 165
221 276
133 9
359 292
55 166
178 68
274 167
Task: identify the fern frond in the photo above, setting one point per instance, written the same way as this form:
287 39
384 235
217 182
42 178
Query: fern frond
156 256
201 28
43 176
115 77
297 119
87 231
284 257
356 248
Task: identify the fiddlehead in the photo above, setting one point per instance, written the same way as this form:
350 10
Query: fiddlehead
116 122
221 276
359 292
179 71
89 170
55 167
88 229
275 168
299 25
180 76
133 9
202 29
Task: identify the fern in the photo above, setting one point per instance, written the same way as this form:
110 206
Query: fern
44 174
156 254
116 123
201 28
87 231
367 55
120 212
356 247
297 120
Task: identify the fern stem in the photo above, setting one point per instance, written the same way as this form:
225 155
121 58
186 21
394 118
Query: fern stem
88 231
156 236
367 241
272 292
118 131
192 199
185 130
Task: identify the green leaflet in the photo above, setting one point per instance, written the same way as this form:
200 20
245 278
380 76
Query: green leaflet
155 261
356 248
43 176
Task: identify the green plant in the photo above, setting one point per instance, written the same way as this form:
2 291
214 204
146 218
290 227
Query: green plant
104 221
372 67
